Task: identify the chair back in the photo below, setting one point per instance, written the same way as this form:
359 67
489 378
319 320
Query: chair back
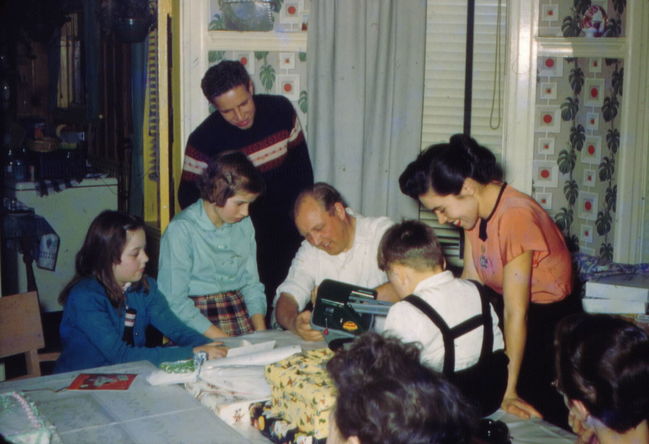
21 330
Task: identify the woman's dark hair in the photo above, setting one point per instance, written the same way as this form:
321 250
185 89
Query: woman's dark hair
445 166
603 361
101 249
222 77
411 243
385 395
228 173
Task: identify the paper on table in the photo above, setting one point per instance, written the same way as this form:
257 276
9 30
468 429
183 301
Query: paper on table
246 382
161 377
261 358
248 348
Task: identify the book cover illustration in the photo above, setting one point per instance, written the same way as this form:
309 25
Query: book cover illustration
102 381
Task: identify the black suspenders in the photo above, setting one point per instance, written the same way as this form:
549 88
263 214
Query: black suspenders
450 334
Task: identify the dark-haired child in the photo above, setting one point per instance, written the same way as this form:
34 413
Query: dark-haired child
208 254
602 364
385 395
451 318
109 281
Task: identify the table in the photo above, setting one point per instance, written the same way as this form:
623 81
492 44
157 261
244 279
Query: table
168 414
142 414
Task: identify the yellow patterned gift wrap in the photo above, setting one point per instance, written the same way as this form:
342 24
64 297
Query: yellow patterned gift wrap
302 392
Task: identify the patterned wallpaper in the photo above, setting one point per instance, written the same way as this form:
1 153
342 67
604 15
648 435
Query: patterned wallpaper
582 18
577 138
576 147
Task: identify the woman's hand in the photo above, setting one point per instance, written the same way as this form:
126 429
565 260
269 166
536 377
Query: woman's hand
214 350
585 433
518 407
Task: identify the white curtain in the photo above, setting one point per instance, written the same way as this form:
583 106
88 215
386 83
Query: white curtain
365 83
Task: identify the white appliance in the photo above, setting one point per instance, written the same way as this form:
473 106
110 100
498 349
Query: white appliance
69 212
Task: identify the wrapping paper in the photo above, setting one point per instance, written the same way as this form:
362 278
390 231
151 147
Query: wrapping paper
261 358
277 429
302 391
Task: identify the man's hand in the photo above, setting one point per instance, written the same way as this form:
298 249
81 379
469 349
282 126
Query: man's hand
303 327
517 406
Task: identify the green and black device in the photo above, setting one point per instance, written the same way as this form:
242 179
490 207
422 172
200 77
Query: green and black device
344 310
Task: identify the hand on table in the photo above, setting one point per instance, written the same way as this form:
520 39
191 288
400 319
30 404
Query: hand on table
518 407
214 350
303 327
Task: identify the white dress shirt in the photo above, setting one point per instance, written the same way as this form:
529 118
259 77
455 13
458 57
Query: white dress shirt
357 266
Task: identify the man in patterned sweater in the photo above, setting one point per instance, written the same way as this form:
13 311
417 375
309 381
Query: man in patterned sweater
266 128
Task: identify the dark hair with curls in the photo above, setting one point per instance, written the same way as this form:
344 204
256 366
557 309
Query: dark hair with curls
228 173
445 166
603 361
222 77
103 248
410 243
323 193
385 395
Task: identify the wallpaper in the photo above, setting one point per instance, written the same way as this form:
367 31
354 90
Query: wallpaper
577 142
577 137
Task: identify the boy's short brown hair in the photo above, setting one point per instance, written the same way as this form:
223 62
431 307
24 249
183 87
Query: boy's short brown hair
410 243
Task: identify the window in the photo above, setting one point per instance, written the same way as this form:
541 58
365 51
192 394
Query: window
443 113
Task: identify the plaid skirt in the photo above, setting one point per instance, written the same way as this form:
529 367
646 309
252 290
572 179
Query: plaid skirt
227 311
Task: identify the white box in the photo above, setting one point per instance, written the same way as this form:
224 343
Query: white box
627 287
614 306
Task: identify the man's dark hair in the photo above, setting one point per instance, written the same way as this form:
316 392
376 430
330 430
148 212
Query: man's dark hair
222 77
385 395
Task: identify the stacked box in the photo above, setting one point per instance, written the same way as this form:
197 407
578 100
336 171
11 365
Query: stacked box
302 391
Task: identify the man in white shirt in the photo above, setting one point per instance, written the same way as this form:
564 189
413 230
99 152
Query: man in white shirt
339 245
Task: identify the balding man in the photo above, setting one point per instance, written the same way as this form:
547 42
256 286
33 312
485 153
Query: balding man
339 245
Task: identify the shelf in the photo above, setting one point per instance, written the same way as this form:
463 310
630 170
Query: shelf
606 47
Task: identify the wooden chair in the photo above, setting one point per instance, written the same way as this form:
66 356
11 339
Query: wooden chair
21 331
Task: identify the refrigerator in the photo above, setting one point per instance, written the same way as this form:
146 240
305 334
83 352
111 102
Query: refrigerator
69 212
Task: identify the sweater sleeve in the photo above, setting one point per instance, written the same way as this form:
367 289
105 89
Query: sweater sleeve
94 318
168 324
194 163
298 159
